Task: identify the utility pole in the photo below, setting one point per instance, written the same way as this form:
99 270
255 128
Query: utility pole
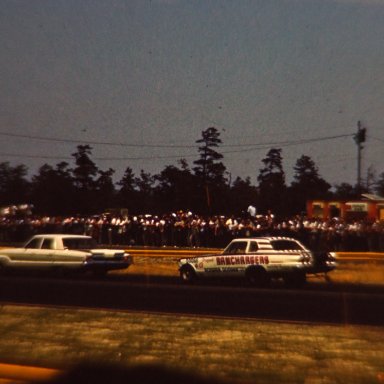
359 139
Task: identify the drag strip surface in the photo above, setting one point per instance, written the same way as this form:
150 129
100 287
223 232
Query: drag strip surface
310 305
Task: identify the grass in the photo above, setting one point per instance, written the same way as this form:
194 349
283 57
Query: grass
367 272
359 273
232 350
160 266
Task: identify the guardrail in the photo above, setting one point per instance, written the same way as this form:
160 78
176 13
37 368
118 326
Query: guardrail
180 252
177 253
359 256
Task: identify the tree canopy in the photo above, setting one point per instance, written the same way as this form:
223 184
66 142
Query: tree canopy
204 189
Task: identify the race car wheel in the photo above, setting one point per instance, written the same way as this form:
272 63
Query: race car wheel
258 277
295 280
60 272
100 273
187 274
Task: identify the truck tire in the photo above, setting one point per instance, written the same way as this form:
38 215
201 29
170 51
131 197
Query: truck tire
257 277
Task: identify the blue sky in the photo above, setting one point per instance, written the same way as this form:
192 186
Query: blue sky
141 79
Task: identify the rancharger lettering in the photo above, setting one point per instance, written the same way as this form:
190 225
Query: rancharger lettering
243 260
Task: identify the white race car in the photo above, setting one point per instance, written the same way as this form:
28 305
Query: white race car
64 253
258 260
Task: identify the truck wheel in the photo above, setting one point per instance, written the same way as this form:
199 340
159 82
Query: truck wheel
295 280
258 277
187 274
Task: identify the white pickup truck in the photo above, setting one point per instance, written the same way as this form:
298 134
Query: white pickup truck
63 253
258 260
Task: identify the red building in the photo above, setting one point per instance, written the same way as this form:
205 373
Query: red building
370 207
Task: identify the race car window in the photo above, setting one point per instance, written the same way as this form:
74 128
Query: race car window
253 247
34 244
48 244
285 245
236 248
79 243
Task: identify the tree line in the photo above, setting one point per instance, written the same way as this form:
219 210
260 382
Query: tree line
204 187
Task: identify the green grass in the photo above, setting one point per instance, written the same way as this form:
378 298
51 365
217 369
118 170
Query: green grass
228 349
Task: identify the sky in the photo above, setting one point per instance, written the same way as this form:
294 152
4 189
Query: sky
139 80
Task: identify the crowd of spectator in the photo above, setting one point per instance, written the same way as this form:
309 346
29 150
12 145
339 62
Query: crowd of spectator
185 229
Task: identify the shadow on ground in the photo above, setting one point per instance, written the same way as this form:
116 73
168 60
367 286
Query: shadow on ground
115 374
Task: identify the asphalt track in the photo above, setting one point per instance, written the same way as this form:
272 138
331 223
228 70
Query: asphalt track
317 302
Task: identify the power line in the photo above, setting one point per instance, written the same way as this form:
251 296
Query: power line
60 140
286 143
36 156
254 147
251 145
96 158
376 138
244 148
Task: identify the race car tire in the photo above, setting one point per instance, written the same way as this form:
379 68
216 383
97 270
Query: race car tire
187 274
100 274
257 277
295 280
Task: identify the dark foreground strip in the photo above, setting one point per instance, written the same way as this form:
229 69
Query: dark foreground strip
270 304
